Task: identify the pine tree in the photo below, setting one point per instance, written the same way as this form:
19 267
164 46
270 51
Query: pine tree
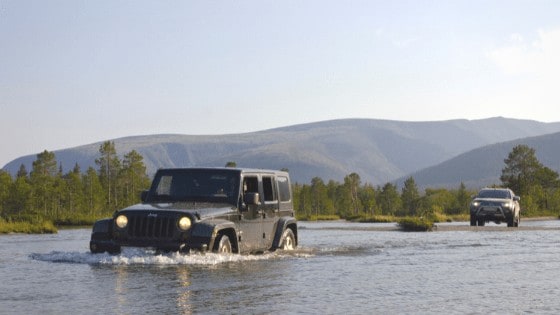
109 167
94 199
410 197
389 199
5 184
133 177
42 180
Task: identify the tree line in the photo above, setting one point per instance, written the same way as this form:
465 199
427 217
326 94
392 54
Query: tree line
77 197
74 197
352 200
537 185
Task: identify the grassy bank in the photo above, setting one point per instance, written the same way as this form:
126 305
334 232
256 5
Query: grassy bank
320 217
36 224
43 227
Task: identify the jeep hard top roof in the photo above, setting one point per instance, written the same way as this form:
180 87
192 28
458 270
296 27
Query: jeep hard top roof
233 169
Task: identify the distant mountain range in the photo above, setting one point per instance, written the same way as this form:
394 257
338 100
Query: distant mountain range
380 151
483 166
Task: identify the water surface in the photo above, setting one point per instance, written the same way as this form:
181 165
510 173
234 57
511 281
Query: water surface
339 267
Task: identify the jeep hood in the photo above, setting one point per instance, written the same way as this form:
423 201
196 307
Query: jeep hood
201 210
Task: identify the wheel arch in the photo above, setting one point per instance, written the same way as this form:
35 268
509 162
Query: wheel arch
213 228
283 224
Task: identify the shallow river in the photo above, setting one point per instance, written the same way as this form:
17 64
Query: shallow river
338 268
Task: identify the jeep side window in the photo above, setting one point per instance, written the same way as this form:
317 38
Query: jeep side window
269 189
250 184
283 188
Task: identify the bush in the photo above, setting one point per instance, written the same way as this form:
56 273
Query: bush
416 224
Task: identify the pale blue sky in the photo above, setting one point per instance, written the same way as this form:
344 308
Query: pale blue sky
75 72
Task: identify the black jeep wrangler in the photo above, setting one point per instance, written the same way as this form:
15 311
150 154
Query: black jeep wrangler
226 210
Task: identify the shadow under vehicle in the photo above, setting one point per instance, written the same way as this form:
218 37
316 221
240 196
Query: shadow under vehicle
227 210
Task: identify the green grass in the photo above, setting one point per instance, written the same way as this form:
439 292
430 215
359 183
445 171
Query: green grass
44 227
320 217
374 219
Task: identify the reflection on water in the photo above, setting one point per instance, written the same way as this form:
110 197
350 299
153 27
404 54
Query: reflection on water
183 291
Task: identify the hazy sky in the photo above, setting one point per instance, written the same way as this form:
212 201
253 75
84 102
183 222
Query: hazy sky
75 72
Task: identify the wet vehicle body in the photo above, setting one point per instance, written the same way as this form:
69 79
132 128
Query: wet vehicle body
229 210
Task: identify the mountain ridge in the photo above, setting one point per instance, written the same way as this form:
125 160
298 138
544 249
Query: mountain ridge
378 150
483 166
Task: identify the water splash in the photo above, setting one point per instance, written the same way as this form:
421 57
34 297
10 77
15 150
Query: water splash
134 256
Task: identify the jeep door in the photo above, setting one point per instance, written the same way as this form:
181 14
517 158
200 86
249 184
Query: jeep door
270 209
250 224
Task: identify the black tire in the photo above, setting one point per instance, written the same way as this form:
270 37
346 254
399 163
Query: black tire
510 222
222 245
96 249
288 241
114 250
481 222
473 220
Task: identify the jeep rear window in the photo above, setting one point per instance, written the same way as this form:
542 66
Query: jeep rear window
204 185
269 189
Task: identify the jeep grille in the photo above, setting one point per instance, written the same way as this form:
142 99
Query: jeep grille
149 227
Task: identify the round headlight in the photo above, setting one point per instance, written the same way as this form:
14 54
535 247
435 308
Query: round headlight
121 221
184 223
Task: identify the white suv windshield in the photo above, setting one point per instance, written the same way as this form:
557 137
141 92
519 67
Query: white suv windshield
494 193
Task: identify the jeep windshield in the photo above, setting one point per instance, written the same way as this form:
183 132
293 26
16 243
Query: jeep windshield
198 185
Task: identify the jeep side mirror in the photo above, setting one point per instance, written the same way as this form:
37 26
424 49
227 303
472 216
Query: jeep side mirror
516 198
251 198
144 195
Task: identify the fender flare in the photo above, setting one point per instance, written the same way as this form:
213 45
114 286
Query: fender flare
283 224
210 229
102 229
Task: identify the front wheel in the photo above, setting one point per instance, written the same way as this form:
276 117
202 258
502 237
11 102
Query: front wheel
98 249
288 240
223 245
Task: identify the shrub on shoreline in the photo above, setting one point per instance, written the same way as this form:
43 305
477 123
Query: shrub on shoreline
415 224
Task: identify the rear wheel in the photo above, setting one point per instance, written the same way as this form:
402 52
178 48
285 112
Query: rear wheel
223 245
288 240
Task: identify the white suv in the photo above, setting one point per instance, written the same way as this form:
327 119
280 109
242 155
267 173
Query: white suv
495 204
